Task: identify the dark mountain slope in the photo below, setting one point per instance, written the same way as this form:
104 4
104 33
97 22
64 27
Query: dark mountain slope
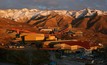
95 23
52 20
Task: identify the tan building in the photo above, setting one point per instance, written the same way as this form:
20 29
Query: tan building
66 46
94 47
78 33
62 46
46 30
75 47
51 37
33 36
46 44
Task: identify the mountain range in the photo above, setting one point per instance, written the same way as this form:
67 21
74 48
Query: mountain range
92 22
95 20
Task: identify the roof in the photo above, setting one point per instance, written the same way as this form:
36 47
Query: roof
84 44
48 48
46 30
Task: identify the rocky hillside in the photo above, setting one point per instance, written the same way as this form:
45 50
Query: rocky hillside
52 20
7 24
86 18
96 23
90 21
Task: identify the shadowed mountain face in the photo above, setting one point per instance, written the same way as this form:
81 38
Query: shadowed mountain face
95 23
54 4
52 20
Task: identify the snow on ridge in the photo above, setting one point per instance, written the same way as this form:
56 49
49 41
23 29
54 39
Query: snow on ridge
22 15
87 12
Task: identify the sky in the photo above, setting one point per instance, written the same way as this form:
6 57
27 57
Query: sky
54 4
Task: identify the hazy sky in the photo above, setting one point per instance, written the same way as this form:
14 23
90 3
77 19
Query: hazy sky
54 4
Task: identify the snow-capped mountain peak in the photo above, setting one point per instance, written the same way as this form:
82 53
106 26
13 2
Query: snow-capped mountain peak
25 14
